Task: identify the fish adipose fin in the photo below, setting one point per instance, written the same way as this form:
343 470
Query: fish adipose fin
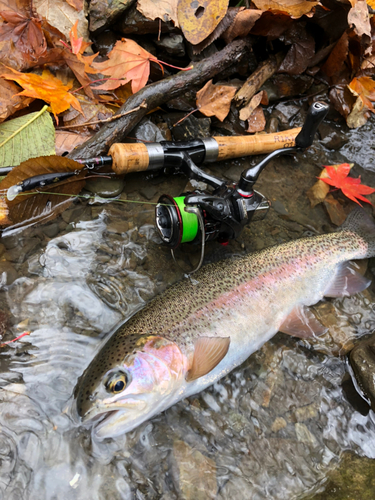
347 281
208 352
302 323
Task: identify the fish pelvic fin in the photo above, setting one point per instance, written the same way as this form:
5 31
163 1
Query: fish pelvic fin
208 352
302 323
360 223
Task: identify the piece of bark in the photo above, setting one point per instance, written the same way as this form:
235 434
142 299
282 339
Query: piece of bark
157 94
264 71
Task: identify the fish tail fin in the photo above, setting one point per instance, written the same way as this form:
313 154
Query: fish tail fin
360 223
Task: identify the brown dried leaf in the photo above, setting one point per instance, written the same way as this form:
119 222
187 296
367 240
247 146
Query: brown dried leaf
272 24
198 19
358 18
247 110
4 212
358 115
91 112
336 59
79 69
214 100
10 102
76 4
36 207
166 10
295 8
318 192
65 141
23 26
256 121
301 52
242 24
335 210
62 16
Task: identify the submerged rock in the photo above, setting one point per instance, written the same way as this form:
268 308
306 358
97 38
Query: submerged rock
362 360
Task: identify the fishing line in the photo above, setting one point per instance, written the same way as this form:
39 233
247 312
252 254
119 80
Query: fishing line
118 200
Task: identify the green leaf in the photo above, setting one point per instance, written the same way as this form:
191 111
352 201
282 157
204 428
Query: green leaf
28 136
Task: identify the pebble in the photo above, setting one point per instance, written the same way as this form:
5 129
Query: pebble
278 424
9 271
304 435
106 188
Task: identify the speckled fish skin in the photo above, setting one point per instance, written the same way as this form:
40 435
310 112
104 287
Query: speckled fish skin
247 299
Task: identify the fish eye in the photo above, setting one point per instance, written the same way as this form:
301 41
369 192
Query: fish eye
116 382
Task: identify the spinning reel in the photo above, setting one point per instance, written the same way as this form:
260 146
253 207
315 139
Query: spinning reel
201 216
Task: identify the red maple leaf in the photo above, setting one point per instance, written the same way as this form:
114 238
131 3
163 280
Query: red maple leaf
351 187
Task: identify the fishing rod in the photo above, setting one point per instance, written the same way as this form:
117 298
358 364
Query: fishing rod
201 215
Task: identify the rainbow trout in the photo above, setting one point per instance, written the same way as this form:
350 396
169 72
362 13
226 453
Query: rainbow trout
194 334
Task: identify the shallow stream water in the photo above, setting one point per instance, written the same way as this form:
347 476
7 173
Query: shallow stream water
275 428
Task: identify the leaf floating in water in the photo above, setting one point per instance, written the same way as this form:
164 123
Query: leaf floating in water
34 207
351 187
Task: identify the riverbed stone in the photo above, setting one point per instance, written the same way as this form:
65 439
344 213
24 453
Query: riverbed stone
195 476
362 360
8 271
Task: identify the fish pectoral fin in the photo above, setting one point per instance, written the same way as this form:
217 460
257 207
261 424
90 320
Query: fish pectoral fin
302 323
208 352
347 281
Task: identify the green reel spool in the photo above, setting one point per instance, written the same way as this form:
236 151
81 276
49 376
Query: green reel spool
174 224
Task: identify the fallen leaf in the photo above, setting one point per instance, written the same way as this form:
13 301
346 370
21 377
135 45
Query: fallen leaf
36 207
342 99
62 16
214 100
126 61
166 10
24 28
66 141
90 112
76 4
247 110
76 42
295 8
10 102
242 24
364 87
351 187
336 59
358 115
256 121
4 213
358 18
220 29
46 87
335 210
272 24
198 19
78 65
301 52
25 137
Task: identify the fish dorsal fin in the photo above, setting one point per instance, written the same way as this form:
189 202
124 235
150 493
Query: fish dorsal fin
208 352
302 323
347 281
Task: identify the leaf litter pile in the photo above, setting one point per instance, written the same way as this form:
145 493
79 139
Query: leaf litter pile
77 76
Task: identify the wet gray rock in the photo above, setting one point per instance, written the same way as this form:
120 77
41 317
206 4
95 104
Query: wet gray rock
148 131
172 44
190 128
20 253
148 191
51 230
7 272
106 188
332 137
362 360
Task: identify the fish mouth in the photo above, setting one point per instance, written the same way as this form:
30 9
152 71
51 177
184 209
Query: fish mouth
103 411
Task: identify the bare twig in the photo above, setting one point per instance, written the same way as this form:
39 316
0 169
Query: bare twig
110 119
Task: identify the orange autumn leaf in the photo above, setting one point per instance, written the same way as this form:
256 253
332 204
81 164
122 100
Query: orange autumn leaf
351 187
77 44
364 87
126 61
214 100
46 87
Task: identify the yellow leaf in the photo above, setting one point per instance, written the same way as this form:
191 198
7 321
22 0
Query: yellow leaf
46 87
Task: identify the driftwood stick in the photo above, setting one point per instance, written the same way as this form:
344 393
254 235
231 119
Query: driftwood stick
157 94
264 71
